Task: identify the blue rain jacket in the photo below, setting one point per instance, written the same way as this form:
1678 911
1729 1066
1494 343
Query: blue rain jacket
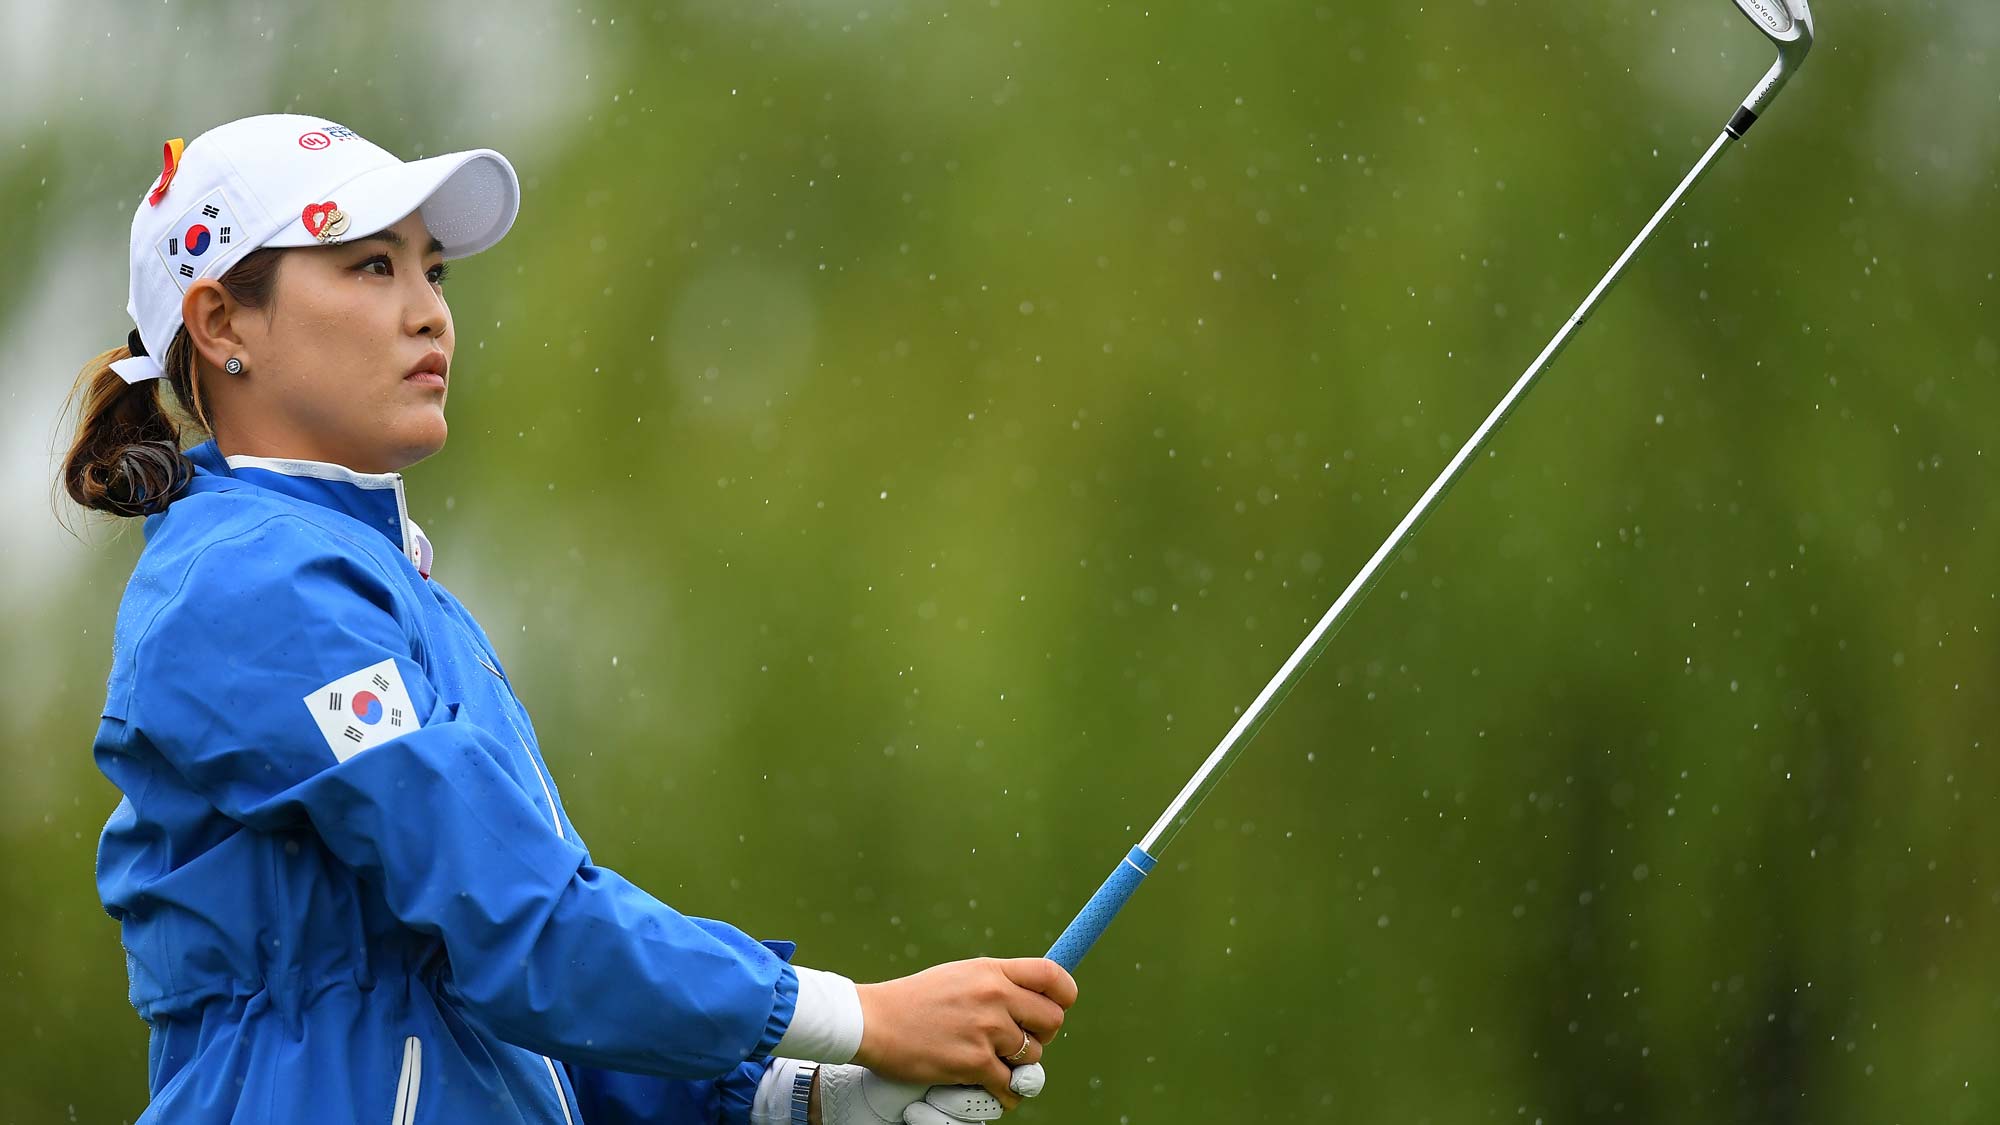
347 887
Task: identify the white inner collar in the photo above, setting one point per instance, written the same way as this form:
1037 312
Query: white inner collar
416 545
319 470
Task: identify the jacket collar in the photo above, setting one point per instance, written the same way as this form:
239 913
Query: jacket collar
375 499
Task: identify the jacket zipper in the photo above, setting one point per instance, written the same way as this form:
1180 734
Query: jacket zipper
548 795
555 817
522 739
562 1099
410 1083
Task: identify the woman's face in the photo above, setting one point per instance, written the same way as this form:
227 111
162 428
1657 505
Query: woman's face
328 360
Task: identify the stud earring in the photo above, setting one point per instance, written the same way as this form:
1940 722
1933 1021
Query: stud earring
234 366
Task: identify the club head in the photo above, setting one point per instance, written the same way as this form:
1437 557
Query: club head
1789 25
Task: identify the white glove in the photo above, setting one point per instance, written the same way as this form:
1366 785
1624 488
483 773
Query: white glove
954 1105
855 1095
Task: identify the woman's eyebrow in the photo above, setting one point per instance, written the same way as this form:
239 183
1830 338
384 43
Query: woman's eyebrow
397 240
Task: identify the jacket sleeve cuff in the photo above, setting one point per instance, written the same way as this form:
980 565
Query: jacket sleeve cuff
784 1009
824 1024
739 1091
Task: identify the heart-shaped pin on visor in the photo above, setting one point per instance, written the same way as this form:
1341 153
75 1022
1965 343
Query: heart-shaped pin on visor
468 201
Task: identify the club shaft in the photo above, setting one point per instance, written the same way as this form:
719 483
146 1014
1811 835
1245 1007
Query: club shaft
1096 915
1219 760
1090 923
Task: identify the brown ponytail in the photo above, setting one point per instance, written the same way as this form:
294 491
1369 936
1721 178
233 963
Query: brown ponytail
126 458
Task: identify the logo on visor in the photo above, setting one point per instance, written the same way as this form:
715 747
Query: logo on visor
326 222
321 138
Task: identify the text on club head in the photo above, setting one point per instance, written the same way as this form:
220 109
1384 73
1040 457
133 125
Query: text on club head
1771 14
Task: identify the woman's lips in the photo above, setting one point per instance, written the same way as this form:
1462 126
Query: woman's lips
429 370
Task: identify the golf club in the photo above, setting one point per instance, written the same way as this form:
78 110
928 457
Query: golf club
1789 25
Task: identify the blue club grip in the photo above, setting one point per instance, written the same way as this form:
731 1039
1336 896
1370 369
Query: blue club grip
1090 923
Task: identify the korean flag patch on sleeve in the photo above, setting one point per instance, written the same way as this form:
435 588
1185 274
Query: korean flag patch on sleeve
363 709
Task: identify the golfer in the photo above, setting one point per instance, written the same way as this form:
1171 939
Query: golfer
347 888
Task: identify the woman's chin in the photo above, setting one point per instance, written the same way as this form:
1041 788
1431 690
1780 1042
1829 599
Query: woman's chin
420 438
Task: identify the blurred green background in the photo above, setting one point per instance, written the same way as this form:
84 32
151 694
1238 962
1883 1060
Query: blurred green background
898 436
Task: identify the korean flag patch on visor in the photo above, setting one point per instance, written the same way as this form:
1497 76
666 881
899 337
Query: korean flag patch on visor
201 236
363 709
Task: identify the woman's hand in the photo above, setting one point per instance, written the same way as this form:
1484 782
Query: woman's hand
964 1022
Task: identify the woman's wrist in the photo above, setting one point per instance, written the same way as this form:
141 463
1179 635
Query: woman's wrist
866 1051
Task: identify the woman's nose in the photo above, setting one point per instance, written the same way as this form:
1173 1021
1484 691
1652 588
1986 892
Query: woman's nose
428 314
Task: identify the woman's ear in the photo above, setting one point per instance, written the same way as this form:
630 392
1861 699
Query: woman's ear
211 316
